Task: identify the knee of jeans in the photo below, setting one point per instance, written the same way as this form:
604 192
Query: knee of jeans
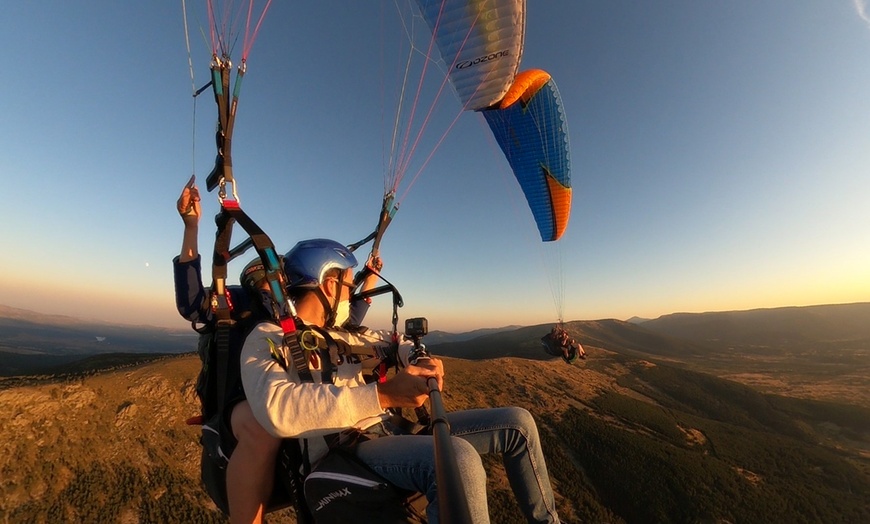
469 461
521 417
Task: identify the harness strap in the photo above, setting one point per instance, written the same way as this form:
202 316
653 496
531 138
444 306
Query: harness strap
326 374
282 308
290 457
291 345
356 245
223 312
223 164
220 304
388 209
388 287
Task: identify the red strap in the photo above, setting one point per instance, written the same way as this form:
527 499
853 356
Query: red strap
288 325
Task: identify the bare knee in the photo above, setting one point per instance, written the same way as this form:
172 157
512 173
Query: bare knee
249 433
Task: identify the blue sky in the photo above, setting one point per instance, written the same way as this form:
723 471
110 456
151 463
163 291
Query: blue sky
720 156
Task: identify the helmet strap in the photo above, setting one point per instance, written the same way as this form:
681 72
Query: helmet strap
334 311
329 310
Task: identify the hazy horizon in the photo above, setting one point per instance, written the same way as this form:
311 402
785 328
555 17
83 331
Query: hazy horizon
183 324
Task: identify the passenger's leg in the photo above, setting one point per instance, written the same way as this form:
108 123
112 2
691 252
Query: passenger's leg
408 461
512 432
251 470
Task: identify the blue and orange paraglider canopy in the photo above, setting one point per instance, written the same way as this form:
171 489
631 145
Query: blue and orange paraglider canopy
481 46
530 127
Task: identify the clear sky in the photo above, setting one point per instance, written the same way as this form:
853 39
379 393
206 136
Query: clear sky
720 151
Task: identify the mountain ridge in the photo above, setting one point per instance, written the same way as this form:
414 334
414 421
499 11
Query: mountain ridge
31 342
699 327
769 325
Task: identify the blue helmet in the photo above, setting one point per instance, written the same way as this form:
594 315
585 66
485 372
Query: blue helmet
307 263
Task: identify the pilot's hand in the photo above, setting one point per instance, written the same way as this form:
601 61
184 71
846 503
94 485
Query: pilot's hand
188 203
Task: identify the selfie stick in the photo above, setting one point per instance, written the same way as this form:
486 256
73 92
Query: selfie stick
452 502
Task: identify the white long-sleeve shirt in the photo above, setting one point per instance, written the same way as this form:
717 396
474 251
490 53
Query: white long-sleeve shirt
289 408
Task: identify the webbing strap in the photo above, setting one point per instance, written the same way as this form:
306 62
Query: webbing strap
388 210
223 164
282 308
268 256
386 216
291 458
221 306
222 346
291 343
220 257
327 370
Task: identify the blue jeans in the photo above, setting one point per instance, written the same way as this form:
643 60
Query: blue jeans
408 461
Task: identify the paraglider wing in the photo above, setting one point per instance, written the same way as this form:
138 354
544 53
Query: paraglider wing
530 127
481 44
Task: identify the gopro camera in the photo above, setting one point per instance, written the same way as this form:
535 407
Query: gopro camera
416 327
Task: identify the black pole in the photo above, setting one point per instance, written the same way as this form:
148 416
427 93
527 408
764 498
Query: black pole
452 502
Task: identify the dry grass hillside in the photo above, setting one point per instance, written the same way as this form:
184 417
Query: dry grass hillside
57 432
645 430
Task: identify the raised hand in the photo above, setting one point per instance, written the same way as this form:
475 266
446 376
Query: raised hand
188 203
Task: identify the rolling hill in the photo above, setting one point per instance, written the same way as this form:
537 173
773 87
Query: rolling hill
526 342
789 326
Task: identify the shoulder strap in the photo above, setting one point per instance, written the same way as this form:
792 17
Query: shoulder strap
222 309
326 374
294 349
282 308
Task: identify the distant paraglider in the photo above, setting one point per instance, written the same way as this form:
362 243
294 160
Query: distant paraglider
559 344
